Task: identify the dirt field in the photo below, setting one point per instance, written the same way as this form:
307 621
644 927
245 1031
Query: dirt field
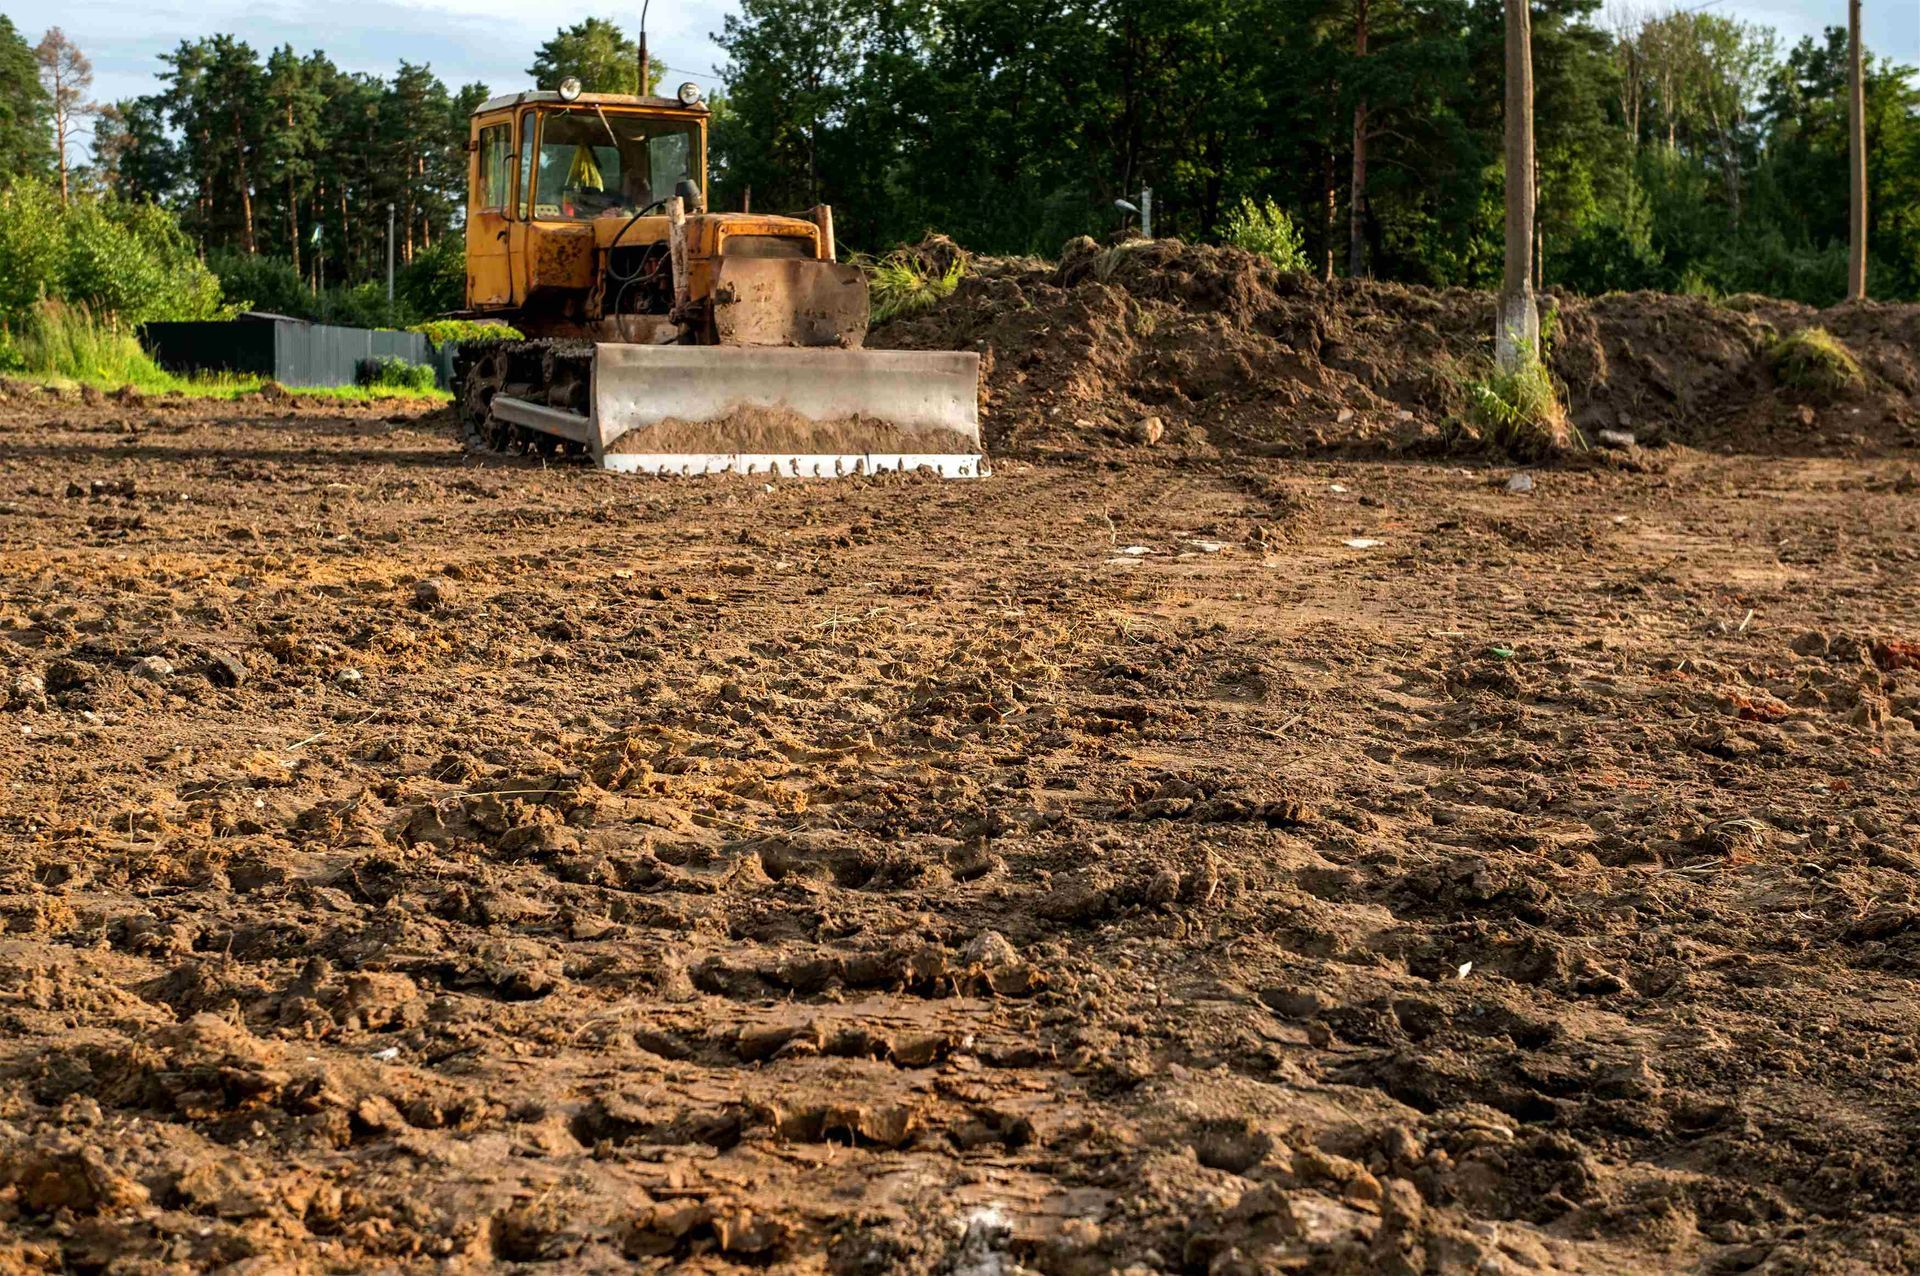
1227 866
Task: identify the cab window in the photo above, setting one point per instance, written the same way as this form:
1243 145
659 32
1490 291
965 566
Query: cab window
526 165
496 167
603 164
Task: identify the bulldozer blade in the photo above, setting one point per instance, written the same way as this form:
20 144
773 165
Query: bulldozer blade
774 301
794 412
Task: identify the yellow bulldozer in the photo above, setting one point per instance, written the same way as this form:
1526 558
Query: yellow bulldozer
664 337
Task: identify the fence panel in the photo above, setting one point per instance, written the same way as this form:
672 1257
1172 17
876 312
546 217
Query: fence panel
290 351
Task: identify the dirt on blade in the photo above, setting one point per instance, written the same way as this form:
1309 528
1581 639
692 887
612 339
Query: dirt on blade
1231 865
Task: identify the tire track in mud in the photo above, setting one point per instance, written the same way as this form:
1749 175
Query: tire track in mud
884 876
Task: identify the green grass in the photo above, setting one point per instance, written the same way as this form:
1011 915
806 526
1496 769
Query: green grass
226 387
1814 359
905 283
1520 411
66 347
441 331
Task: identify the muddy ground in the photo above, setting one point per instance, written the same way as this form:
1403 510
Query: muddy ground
1238 865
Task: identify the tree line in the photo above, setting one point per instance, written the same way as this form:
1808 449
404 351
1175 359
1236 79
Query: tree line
1681 150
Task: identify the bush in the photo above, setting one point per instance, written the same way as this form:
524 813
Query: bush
268 284
394 373
362 306
121 260
1605 258
32 247
1520 411
1265 230
1813 359
435 281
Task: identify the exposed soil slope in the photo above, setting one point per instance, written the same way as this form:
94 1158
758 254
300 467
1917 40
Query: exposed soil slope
1234 356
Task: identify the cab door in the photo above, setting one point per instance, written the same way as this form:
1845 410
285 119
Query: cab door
490 214
523 198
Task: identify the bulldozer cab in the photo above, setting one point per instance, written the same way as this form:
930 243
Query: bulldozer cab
541 166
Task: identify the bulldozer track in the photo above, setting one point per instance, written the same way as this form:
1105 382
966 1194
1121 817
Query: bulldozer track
554 372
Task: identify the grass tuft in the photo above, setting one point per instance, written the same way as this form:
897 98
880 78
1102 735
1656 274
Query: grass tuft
1813 359
909 282
68 342
1520 411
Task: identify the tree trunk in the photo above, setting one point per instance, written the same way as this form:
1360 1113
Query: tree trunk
60 127
1517 340
293 209
293 224
1333 213
1357 203
246 189
1857 219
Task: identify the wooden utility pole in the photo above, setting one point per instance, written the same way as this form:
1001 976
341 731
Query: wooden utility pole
1517 338
1857 213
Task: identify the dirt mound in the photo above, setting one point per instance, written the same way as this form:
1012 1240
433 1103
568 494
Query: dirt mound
1214 349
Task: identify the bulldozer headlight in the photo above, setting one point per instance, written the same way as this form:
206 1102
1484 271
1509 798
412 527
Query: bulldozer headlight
569 89
689 94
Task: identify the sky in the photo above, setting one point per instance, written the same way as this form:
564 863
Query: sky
489 41
492 41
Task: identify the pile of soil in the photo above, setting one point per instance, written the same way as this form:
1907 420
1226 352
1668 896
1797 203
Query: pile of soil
1218 350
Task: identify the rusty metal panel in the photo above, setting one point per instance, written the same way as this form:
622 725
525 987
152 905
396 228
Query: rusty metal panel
561 257
764 301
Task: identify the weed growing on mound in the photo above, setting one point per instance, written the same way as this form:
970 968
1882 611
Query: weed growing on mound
1520 411
1265 230
907 283
1813 359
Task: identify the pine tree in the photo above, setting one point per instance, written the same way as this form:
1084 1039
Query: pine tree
292 138
66 74
598 54
26 125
